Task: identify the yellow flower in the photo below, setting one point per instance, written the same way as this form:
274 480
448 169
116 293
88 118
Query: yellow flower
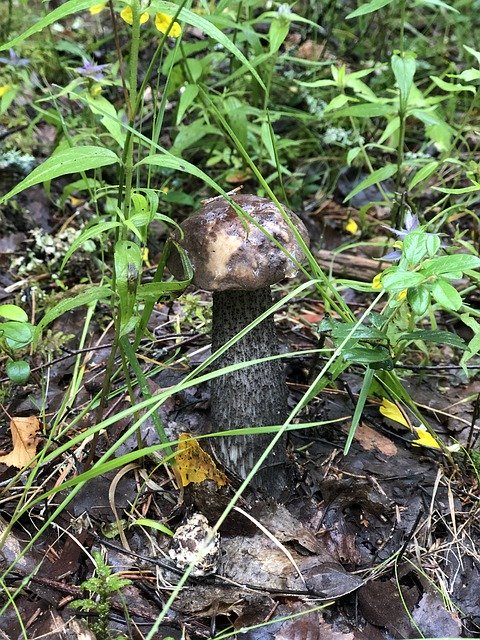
127 15
97 8
425 439
377 281
5 89
351 226
402 295
96 90
163 21
391 411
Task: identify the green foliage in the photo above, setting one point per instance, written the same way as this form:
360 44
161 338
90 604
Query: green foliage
103 587
16 333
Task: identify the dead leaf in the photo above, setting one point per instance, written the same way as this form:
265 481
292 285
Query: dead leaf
194 464
24 438
370 440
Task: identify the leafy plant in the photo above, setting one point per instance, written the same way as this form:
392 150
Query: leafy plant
102 588
16 333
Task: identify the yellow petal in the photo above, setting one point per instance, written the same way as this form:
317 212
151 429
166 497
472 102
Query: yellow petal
402 295
97 8
163 21
392 412
127 15
425 439
351 226
4 89
377 281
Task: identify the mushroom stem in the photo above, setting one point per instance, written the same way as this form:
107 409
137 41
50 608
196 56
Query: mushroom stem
255 396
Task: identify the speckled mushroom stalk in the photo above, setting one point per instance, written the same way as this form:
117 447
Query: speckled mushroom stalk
239 265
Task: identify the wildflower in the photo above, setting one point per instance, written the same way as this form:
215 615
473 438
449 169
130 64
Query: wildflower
97 8
392 412
377 281
411 223
4 89
14 60
402 295
351 226
92 70
127 15
163 22
425 439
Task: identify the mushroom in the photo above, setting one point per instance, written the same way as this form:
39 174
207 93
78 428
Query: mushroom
236 260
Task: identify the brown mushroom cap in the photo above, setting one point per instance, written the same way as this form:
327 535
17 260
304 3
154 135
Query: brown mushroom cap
228 253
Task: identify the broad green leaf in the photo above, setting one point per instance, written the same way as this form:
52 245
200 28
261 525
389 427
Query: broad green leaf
187 96
109 117
18 371
377 358
446 295
419 300
369 7
377 176
336 103
365 110
189 135
474 345
414 247
450 264
450 87
399 280
128 268
17 335
474 53
342 330
277 33
437 337
423 173
12 312
169 161
64 162
437 3
403 68
94 231
390 129
91 294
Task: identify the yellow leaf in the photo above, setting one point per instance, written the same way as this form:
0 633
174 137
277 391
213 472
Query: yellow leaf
97 8
4 89
425 439
127 15
377 281
194 464
163 21
351 226
24 438
392 412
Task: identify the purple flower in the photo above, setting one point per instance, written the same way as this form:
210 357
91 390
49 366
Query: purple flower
411 223
14 60
92 70
393 256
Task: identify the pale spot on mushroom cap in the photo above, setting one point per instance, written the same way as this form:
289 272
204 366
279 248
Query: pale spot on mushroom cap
228 253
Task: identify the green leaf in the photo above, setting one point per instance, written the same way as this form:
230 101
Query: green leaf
18 371
64 162
95 231
279 28
377 176
423 173
336 103
12 312
17 335
473 52
403 68
109 117
438 337
437 3
473 346
91 294
446 295
378 358
187 97
365 110
128 268
450 264
418 299
450 87
369 7
341 331
399 280
152 524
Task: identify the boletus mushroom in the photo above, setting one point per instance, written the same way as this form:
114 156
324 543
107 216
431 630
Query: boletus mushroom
238 262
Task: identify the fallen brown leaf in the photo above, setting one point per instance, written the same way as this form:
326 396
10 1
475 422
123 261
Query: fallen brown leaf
24 438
